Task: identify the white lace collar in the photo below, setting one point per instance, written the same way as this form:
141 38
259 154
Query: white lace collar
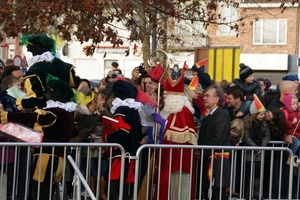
46 56
69 106
131 103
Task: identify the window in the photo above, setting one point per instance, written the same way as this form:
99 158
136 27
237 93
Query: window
270 31
185 27
229 16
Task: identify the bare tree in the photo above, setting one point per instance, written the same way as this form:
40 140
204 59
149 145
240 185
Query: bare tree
95 20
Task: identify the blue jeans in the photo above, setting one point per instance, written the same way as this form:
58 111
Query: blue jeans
294 147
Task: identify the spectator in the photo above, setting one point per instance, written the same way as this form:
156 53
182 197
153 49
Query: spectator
175 72
203 77
224 84
273 160
9 62
292 116
247 83
289 87
291 77
2 66
14 71
268 84
156 70
235 104
9 102
262 84
114 65
215 130
84 83
257 133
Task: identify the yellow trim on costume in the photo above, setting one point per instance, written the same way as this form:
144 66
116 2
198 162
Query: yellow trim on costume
3 116
59 170
180 135
19 103
43 162
71 80
119 114
124 130
43 112
37 127
40 173
28 86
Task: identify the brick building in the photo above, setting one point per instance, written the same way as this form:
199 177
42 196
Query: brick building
268 41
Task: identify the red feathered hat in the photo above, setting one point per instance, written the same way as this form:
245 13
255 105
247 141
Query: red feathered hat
175 86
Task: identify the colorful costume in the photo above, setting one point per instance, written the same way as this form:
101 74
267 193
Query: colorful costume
129 135
180 129
57 122
41 65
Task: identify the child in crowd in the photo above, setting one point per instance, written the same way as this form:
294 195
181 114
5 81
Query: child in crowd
9 102
101 100
292 115
248 85
237 131
257 133
236 135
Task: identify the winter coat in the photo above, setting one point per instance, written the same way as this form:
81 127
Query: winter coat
85 122
289 117
248 89
215 131
254 138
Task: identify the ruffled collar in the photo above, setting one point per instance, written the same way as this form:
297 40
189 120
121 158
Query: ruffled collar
69 106
46 56
131 103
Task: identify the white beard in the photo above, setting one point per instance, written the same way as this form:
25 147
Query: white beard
174 104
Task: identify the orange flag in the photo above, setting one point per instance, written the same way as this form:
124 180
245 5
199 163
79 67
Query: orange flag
201 63
194 82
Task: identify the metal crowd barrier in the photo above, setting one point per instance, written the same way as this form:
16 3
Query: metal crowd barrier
270 177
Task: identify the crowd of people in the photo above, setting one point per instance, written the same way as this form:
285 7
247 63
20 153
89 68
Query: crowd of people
239 112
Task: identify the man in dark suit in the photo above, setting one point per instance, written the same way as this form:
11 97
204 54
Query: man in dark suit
215 131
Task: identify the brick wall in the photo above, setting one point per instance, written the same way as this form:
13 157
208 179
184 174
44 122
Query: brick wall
246 36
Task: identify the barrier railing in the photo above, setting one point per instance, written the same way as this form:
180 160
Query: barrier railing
161 172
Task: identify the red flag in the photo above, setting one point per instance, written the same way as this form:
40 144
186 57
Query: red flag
201 63
185 66
194 82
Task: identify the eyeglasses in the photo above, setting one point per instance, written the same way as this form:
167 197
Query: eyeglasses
207 95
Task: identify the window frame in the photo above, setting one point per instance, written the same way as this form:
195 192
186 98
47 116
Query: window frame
231 18
261 32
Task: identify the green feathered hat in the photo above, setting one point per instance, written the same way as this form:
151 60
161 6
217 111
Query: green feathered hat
60 88
39 40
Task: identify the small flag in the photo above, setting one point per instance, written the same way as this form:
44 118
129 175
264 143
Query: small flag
259 106
194 82
201 63
185 66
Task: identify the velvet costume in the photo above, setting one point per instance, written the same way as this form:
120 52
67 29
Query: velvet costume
129 135
35 81
180 129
